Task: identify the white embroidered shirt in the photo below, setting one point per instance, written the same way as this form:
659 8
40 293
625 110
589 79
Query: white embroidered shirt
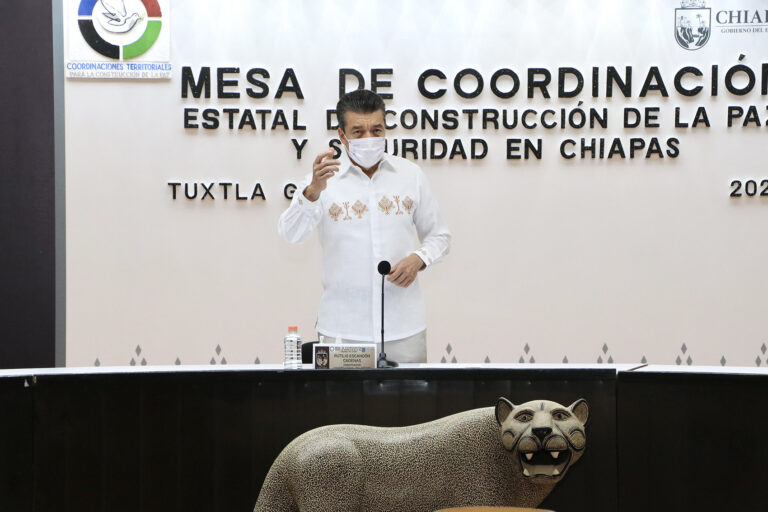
362 221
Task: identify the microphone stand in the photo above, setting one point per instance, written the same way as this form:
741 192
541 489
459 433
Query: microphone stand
383 362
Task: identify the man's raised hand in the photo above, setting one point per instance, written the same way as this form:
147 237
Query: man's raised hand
322 169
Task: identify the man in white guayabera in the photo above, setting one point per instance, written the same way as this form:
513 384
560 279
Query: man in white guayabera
368 207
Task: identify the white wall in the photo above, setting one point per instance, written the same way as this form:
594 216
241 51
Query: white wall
564 256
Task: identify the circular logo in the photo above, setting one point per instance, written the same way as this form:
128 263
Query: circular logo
120 29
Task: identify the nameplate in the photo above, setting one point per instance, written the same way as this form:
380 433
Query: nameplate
342 356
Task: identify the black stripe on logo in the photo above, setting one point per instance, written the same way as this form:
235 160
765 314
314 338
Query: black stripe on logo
96 41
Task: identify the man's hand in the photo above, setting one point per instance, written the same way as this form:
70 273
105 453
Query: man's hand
322 168
404 272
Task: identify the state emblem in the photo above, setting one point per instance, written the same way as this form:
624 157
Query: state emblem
693 24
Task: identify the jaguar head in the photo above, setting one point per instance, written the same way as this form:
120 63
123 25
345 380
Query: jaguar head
545 437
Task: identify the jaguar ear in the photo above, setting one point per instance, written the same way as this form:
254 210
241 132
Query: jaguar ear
580 409
503 408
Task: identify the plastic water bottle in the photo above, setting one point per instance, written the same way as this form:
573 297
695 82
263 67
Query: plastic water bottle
292 349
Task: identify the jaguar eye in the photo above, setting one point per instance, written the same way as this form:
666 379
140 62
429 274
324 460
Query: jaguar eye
560 415
524 417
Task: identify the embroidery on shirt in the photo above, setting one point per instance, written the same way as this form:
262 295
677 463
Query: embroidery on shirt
346 207
359 209
397 202
386 205
408 204
335 210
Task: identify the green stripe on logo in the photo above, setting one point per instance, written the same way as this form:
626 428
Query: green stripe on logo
145 42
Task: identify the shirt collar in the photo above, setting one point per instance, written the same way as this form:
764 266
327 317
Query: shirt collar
345 164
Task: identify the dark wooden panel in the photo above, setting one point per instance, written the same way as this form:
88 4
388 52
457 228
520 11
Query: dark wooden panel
205 441
69 455
692 442
159 443
16 444
121 427
27 179
196 475
232 445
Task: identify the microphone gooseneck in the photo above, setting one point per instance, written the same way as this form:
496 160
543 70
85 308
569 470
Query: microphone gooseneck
384 268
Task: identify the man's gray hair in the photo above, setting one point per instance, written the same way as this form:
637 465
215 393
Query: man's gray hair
361 101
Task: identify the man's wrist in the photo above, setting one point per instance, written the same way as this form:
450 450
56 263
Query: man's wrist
422 263
310 194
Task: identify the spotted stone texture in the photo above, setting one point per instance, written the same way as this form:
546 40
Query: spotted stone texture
489 457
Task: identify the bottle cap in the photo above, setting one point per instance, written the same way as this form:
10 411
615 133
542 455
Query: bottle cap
293 328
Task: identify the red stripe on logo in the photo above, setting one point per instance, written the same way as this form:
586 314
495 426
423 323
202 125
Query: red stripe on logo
153 8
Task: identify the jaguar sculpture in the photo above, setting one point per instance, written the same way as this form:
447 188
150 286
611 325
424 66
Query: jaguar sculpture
512 455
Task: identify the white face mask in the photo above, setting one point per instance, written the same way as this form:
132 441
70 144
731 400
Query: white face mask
367 151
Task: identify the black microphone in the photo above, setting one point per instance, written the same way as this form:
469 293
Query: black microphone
384 269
